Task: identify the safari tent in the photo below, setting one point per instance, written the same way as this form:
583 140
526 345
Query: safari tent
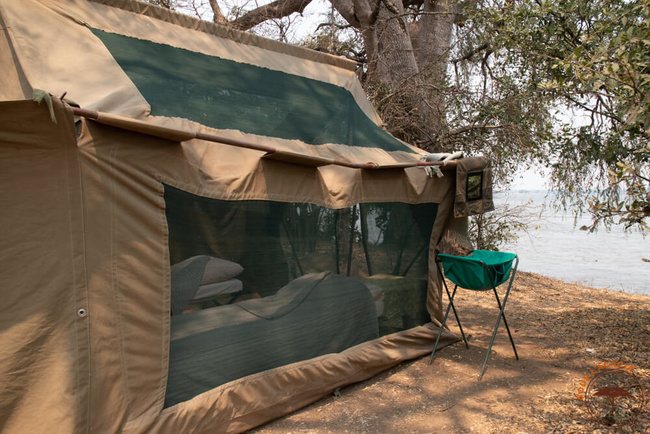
202 230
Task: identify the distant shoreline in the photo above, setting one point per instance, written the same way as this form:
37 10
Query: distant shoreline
554 246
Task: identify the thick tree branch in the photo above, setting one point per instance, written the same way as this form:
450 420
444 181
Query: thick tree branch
347 10
473 127
328 24
391 7
396 12
162 3
219 18
375 12
471 53
277 9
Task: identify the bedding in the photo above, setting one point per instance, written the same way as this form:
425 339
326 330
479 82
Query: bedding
186 278
192 274
377 296
313 315
206 292
220 270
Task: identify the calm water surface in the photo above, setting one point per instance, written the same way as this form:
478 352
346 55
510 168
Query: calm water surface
555 248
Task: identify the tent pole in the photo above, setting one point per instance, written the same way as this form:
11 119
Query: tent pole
181 136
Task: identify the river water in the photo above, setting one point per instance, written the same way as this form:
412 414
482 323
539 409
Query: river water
554 247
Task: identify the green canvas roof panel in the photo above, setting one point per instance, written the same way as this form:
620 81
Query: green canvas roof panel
225 94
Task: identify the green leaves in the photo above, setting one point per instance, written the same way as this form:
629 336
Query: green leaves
591 60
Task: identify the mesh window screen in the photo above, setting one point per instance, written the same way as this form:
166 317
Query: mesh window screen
259 284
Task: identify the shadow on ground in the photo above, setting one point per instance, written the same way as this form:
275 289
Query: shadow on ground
561 332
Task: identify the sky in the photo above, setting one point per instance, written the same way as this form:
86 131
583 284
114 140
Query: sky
530 179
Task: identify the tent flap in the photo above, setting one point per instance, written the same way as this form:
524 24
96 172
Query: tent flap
473 187
44 314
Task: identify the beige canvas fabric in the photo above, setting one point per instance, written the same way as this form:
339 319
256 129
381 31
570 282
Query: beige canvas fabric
68 71
228 45
475 165
13 85
227 33
85 321
178 129
44 362
283 390
122 174
59 57
111 363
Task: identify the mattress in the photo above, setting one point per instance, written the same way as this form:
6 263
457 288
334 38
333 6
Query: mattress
311 316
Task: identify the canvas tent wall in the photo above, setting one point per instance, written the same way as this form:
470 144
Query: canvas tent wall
97 325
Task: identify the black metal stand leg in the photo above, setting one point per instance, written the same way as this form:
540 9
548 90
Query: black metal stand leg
456 315
444 321
501 314
505 321
453 306
487 356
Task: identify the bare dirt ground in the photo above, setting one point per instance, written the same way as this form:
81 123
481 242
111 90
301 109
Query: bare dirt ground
562 331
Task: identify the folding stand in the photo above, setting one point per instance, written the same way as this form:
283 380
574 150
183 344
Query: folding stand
481 271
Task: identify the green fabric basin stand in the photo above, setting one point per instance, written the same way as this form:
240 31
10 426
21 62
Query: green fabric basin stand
482 270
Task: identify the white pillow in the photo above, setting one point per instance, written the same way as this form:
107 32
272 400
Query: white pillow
220 270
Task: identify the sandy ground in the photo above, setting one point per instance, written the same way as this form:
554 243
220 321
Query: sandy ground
562 331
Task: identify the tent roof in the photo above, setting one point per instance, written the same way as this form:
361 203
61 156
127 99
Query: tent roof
140 63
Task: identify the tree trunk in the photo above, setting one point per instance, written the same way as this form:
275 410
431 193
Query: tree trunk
433 39
432 45
407 62
391 61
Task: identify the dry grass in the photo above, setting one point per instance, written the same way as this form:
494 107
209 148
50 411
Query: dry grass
561 331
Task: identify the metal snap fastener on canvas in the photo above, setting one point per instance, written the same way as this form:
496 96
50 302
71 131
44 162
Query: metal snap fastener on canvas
82 312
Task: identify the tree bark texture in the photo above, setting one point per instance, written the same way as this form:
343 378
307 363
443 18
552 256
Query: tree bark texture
276 9
409 58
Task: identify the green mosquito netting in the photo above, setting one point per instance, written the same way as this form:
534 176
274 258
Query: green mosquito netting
261 284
